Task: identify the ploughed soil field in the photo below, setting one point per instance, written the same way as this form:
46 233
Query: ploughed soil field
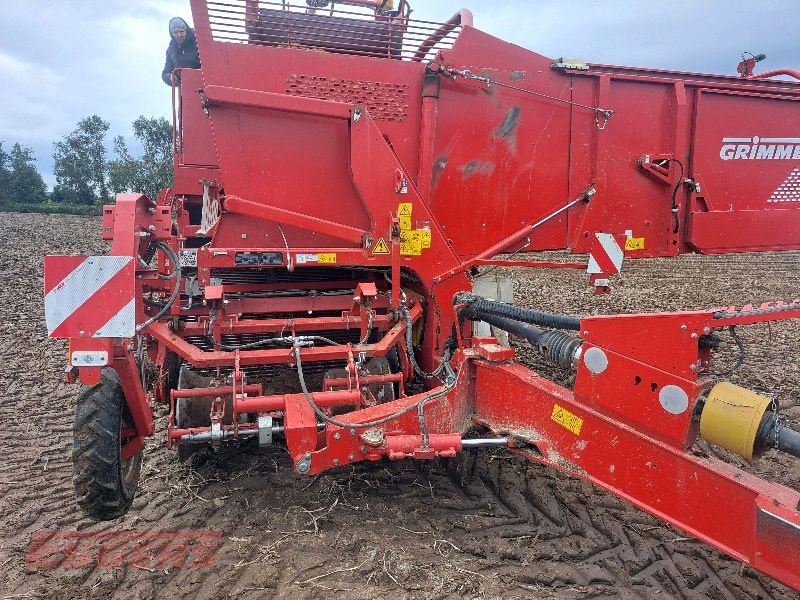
494 527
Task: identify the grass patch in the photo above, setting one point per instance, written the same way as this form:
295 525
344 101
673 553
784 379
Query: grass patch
56 209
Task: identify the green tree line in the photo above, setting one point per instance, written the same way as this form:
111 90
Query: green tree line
86 176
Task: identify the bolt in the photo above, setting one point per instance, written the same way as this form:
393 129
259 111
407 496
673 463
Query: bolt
585 333
335 462
352 432
151 228
363 449
350 457
683 327
706 330
694 336
692 367
81 332
337 435
304 464
244 236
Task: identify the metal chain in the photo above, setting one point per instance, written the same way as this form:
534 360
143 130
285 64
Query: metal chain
370 317
605 113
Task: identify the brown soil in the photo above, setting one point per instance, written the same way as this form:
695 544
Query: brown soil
490 526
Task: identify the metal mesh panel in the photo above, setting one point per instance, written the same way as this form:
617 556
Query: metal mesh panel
330 30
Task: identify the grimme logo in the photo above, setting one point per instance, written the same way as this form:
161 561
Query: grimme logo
145 549
758 148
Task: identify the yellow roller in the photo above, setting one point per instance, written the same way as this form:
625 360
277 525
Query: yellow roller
731 417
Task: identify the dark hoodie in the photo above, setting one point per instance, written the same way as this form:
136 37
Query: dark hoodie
185 56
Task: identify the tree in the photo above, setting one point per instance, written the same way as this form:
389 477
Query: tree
80 162
152 171
25 183
5 174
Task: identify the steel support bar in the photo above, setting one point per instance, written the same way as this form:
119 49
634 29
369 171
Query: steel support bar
216 94
339 302
249 326
200 359
225 390
278 403
701 496
535 264
266 212
365 380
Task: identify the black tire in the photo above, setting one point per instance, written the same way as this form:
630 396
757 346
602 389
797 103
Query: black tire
104 485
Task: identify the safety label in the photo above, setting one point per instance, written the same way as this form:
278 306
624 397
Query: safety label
410 243
404 210
567 419
405 222
322 259
424 228
381 247
633 243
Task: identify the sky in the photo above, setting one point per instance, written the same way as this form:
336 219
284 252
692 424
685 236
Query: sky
62 60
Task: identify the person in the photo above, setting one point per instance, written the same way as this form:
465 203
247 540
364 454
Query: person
182 51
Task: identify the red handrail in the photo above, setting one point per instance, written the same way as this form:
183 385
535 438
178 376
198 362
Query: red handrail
766 74
461 18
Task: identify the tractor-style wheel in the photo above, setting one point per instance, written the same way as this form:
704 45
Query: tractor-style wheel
104 484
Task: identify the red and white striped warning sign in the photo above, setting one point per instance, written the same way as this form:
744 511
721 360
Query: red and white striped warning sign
606 253
89 296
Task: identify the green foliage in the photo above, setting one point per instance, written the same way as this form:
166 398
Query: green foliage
20 181
84 176
50 208
152 171
25 183
5 175
80 163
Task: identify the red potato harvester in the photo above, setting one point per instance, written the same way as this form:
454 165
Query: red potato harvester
343 172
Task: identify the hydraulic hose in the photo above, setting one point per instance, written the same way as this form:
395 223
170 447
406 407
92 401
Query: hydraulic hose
484 307
176 274
557 347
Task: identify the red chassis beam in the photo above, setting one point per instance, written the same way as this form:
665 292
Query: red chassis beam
752 520
219 358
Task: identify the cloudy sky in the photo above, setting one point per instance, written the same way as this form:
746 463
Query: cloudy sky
62 60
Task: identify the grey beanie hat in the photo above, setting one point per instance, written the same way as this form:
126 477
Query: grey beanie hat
177 23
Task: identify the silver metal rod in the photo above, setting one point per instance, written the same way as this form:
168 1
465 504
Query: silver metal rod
485 443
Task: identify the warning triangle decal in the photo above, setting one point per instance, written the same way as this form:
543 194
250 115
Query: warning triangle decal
381 247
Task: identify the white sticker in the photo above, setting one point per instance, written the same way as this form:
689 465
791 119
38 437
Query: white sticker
302 259
188 258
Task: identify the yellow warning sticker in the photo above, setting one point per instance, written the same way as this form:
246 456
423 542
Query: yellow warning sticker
567 419
329 259
405 221
426 238
381 247
634 243
404 210
410 243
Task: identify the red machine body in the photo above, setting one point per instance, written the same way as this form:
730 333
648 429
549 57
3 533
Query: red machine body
341 176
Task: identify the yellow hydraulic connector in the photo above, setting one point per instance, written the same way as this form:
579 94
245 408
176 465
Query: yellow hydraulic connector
731 417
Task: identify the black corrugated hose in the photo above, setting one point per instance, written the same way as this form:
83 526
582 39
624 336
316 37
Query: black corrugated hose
550 320
558 347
